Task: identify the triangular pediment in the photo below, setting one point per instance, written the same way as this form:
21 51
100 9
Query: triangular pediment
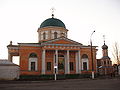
62 40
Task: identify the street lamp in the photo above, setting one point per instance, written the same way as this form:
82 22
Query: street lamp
55 68
92 55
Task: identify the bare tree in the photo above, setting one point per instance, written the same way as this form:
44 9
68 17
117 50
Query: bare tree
116 53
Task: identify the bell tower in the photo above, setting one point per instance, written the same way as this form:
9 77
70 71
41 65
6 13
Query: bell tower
105 59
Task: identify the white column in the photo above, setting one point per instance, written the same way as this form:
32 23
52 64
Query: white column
39 36
9 57
43 62
119 70
78 63
67 66
79 66
56 61
76 58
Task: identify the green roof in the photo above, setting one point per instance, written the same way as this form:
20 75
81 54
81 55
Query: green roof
52 22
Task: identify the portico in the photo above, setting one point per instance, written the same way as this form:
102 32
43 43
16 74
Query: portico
62 58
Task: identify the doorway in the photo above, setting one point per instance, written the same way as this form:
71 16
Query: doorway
61 64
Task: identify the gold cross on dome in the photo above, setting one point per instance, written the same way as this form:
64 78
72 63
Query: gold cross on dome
52 9
104 38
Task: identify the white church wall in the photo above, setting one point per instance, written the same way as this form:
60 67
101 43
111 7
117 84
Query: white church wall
9 72
119 70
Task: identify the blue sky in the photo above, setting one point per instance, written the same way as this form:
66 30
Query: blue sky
20 19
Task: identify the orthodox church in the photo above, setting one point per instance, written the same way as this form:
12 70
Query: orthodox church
54 52
105 64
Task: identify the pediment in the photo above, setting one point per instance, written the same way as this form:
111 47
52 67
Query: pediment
62 40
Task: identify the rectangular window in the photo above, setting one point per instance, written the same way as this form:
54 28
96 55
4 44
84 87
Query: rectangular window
104 62
48 66
84 65
71 66
32 66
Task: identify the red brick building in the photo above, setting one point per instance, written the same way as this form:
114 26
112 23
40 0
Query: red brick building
105 64
53 50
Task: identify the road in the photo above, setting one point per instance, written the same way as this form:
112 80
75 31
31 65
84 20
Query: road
73 84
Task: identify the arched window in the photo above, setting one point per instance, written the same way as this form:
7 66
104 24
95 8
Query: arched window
108 62
104 62
55 35
84 56
44 35
33 55
62 34
33 62
84 62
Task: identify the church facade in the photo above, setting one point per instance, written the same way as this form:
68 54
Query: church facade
54 52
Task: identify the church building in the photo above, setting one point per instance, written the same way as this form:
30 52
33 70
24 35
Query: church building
54 52
104 64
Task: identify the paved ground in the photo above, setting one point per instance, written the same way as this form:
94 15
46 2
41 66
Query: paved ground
74 84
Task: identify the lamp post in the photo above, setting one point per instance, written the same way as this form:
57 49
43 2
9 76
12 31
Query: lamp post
92 55
55 68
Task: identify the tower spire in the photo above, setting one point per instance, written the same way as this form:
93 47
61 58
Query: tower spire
104 39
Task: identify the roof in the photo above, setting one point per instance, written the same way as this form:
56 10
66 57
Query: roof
105 57
104 46
4 62
52 22
62 38
105 67
50 42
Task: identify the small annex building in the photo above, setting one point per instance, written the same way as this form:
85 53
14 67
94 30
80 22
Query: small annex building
8 70
119 69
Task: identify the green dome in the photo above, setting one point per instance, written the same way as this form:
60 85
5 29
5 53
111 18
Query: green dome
52 22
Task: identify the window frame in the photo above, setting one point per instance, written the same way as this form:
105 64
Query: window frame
44 36
33 58
85 64
49 66
85 59
71 66
55 35
32 68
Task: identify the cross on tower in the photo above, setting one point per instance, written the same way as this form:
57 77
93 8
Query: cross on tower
104 38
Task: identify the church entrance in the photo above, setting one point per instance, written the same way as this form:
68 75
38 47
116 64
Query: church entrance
61 64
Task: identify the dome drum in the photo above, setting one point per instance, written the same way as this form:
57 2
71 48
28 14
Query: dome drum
51 28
